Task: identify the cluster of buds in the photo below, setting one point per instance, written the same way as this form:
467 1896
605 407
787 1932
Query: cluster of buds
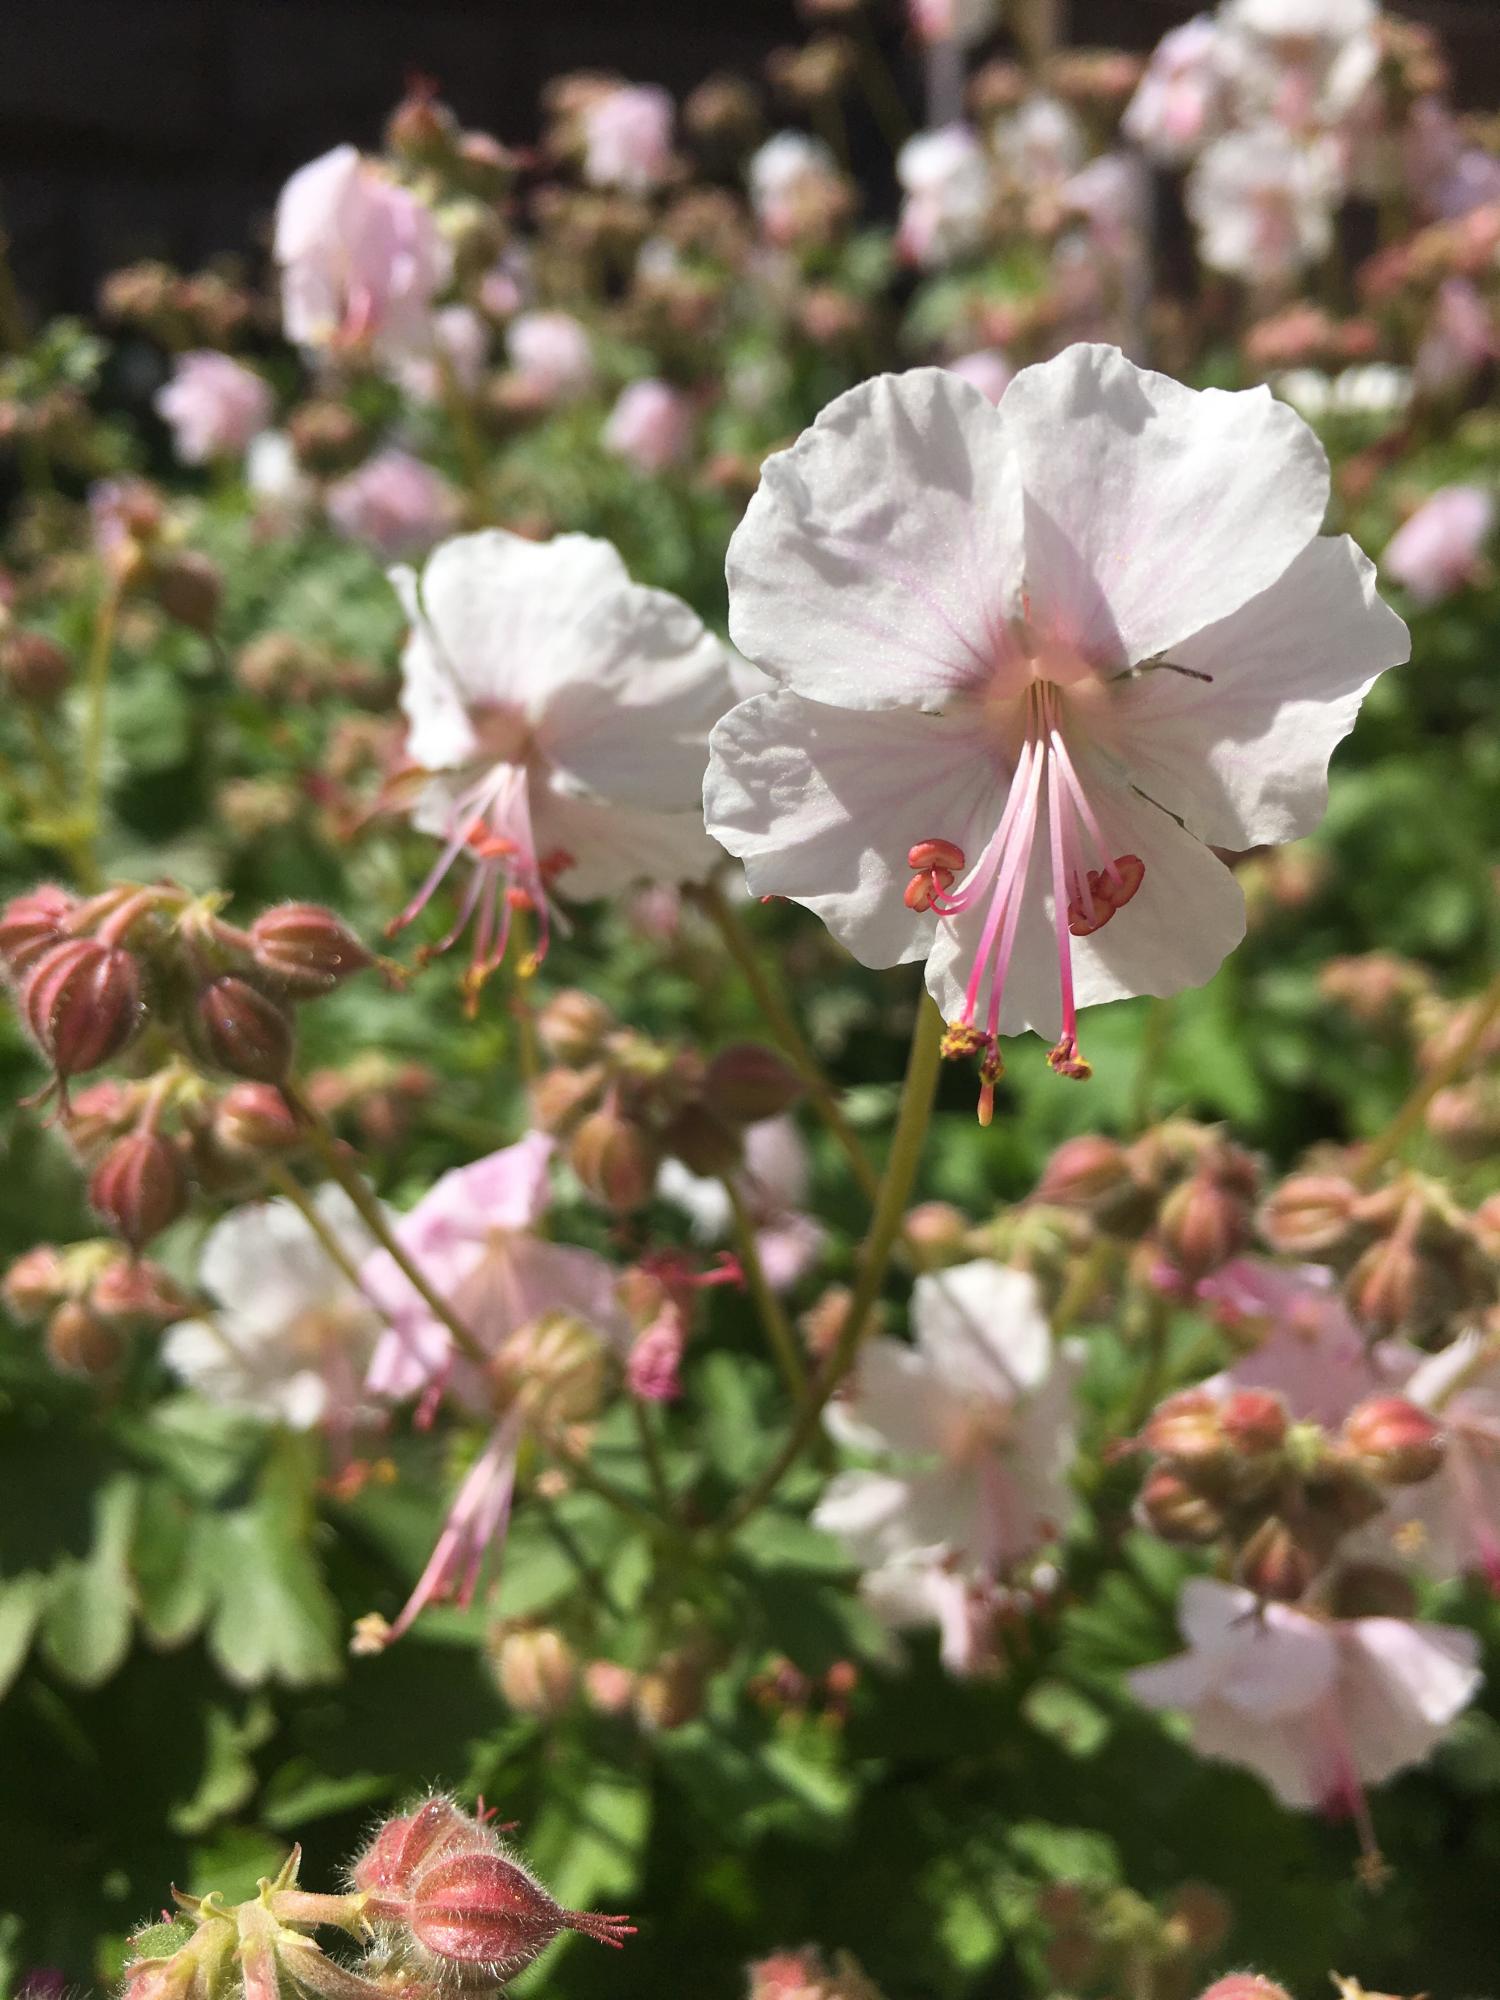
91 1301
157 971
1379 990
1412 1261
782 1688
201 309
806 1975
283 669
374 1097
666 1695
624 1103
1107 1939
1181 1191
441 1904
143 554
1235 1471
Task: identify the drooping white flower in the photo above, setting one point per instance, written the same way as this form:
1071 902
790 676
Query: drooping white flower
1317 1708
567 709
291 1335
975 1422
1179 101
1302 65
361 258
627 137
1033 657
1309 1351
948 183
1263 204
795 184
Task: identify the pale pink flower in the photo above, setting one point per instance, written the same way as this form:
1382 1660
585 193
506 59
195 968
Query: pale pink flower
214 406
568 710
773 1185
914 1591
1263 204
1179 103
1317 1708
1461 337
651 424
627 138
961 21
976 1420
291 1335
1439 549
1305 66
1310 1351
1449 1525
794 183
1033 658
457 354
551 352
987 370
361 257
947 180
395 504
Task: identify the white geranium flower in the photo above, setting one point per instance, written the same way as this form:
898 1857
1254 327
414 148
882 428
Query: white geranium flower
1179 102
1033 657
568 710
1263 204
292 1336
948 182
975 1420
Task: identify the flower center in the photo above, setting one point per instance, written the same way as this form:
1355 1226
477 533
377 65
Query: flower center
1045 790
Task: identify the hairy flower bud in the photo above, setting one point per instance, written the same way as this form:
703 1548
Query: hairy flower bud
80 1342
327 437
1276 1563
560 1097
102 1112
1203 1223
34 668
1255 1420
1244 1986
748 1082
483 1909
1395 1440
190 589
1175 1510
140 1186
1386 1288
615 1160
536 1670
936 1230
1310 1215
244 1030
405 1844
255 1118
306 948
572 1026
82 1002
1188 1427
1090 1172
35 1282
31 924
140 1295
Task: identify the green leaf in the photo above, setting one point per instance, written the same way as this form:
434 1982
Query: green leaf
1067 1716
590 1835
274 1618
227 1780
86 1628
22 1601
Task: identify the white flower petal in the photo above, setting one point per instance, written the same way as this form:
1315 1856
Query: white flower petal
881 552
982 1330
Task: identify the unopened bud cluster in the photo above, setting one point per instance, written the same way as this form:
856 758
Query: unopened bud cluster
91 1301
155 974
624 1103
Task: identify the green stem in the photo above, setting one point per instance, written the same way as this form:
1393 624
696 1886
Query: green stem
779 1019
912 1120
1384 1148
96 689
656 1469
773 1319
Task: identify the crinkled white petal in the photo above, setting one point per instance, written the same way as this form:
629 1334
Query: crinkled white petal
982 1330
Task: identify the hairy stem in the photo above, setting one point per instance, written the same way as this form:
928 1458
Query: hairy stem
769 1309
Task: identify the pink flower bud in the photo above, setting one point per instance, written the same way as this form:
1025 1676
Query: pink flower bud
747 1082
243 1030
536 1670
1203 1223
34 668
35 1282
306 947
140 1186
255 1118
1188 1426
1244 1986
189 588
615 1160
1309 1215
1398 1441
101 1113
139 1294
79 1342
82 1002
1275 1563
406 1844
572 1025
1255 1420
482 1909
31 924
1176 1511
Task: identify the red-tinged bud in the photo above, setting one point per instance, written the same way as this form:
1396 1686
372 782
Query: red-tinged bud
327 437
406 1844
1203 1223
307 948
1309 1215
82 1002
670 1694
1085 1172
31 924
1398 1442
79 1342
1275 1564
101 1113
421 129
560 1097
703 1142
139 1295
485 1910
251 1119
244 1030
536 1671
936 1230
748 1082
608 1687
615 1160
1188 1427
1176 1511
1244 1986
190 589
1255 1420
1386 1287
572 1026
34 668
140 1186
35 1282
